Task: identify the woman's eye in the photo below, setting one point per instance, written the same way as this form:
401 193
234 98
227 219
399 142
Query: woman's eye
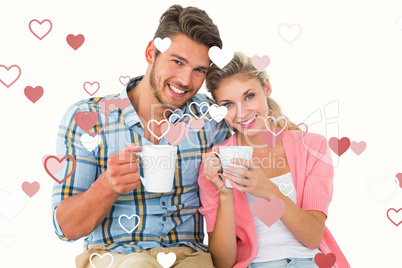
250 96
227 105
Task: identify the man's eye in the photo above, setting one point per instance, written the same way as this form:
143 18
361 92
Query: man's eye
201 71
250 96
178 62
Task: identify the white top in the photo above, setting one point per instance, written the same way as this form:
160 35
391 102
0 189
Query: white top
276 242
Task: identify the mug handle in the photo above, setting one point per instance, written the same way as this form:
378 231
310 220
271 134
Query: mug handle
141 155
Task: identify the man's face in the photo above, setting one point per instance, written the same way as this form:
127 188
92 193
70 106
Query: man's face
178 73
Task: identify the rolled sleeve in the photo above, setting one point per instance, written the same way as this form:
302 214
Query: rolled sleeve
68 144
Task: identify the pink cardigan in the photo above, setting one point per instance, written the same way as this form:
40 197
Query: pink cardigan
310 164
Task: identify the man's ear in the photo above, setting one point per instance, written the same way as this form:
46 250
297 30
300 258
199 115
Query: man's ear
267 88
150 52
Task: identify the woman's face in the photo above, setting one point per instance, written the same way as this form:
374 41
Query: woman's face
246 100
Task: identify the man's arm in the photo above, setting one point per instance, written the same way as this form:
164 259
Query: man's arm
79 215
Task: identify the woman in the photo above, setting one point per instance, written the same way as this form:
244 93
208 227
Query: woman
294 159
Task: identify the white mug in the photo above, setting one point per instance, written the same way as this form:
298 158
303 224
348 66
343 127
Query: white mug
227 153
159 165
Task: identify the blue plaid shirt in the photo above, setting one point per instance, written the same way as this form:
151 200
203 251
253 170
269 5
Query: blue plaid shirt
169 219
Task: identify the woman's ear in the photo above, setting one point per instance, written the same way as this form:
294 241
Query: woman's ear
150 52
267 88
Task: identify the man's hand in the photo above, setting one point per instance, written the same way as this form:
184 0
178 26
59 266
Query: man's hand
122 170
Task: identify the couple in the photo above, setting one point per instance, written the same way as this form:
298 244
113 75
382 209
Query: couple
105 186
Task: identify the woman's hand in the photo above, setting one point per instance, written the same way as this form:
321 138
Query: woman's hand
212 167
256 183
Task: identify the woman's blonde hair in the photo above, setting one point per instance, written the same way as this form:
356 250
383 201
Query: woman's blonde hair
241 66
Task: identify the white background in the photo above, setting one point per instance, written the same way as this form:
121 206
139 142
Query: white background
348 51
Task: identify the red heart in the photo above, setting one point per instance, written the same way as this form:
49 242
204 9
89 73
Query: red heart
204 175
122 103
40 23
399 177
339 146
87 120
33 94
8 69
30 188
75 41
59 160
396 211
325 261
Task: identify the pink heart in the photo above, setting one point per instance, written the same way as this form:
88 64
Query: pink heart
40 23
214 193
33 94
325 261
177 132
122 103
87 120
173 112
8 69
269 138
269 212
396 212
339 146
124 80
196 124
399 177
30 188
358 147
58 166
260 62
107 105
75 41
91 87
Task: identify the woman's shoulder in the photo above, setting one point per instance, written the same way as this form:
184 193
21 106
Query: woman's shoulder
307 137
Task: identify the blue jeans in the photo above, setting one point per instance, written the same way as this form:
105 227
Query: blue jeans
288 262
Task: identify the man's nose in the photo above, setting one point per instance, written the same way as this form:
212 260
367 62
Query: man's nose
184 78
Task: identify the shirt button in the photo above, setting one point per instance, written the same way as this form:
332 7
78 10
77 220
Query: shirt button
163 203
162 240
164 218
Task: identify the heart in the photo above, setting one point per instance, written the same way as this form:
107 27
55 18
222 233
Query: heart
260 62
162 44
87 120
175 133
159 122
272 138
101 256
11 79
166 260
261 116
382 189
91 87
58 166
395 213
286 188
12 204
399 177
30 188
339 146
289 33
107 105
204 175
124 80
7 240
129 218
221 57
200 105
39 30
196 124
121 103
269 212
33 94
173 113
325 261
358 147
53 165
303 131
75 41
89 142
217 112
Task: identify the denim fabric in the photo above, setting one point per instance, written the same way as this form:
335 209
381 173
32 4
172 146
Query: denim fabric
288 262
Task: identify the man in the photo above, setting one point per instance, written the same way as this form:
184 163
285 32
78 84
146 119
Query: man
105 187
